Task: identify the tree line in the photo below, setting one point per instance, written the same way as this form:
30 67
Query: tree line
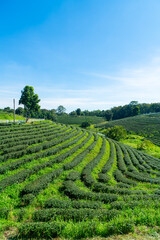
129 110
32 109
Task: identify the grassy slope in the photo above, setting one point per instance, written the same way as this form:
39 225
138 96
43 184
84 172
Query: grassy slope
9 116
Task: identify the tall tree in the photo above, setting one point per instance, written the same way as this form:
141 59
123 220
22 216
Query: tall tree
133 103
30 100
108 115
60 109
78 111
136 110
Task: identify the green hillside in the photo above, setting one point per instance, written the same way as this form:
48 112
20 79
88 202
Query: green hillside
146 125
9 116
68 119
63 181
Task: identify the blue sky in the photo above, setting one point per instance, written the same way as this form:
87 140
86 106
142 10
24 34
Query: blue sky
92 54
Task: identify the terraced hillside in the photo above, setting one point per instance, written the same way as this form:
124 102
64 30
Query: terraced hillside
147 125
57 180
69 119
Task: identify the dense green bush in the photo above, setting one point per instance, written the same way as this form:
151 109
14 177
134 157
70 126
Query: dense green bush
80 214
85 124
71 190
116 132
39 230
111 159
56 203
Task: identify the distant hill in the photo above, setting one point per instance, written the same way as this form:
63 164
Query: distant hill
147 125
67 119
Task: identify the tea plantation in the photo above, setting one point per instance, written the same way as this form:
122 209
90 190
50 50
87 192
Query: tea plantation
146 125
78 120
63 181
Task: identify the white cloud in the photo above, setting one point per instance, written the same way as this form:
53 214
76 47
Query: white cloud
140 83
143 76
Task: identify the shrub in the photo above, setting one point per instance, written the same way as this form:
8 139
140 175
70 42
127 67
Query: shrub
116 132
85 124
39 230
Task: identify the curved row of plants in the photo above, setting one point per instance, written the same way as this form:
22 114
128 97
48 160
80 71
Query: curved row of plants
55 177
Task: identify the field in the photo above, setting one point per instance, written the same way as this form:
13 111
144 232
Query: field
63 181
146 125
67 119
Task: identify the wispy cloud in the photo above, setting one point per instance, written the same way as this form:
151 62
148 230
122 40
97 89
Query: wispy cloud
141 77
140 83
91 90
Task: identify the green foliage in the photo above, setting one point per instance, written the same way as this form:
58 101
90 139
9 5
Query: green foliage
65 184
85 124
133 103
29 99
74 119
135 110
4 212
144 145
74 175
19 111
108 115
60 110
116 132
71 190
39 230
56 203
147 126
78 111
9 116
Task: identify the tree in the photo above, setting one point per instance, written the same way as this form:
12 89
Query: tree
86 112
60 109
136 110
78 111
19 111
73 113
30 100
8 109
85 124
133 103
51 115
108 115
